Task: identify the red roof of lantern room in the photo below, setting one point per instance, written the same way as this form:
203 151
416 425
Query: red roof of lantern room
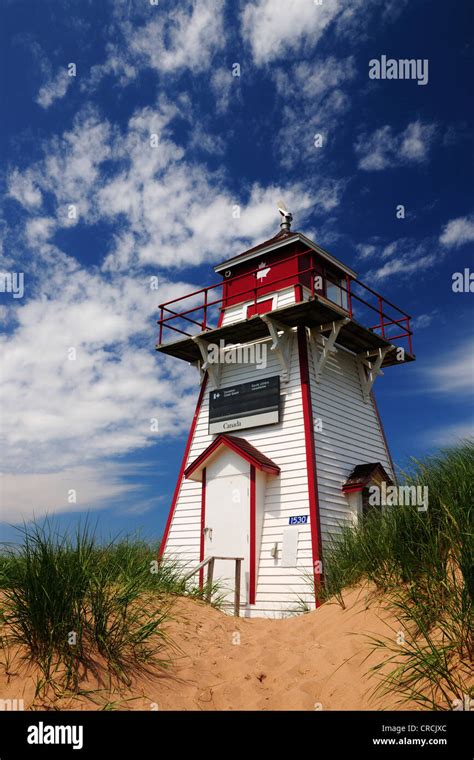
238 445
279 240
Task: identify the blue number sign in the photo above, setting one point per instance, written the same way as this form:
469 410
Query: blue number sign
299 520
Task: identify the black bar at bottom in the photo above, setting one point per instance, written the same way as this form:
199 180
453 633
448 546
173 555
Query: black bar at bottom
135 734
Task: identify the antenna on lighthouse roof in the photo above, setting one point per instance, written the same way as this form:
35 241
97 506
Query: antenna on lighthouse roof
286 217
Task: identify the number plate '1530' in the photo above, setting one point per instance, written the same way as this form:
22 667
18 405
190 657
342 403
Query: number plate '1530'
299 520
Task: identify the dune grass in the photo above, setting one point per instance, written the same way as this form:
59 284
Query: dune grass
79 605
424 562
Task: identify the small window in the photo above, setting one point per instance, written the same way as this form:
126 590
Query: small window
335 291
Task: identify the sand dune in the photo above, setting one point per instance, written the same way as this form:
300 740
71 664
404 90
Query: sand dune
310 662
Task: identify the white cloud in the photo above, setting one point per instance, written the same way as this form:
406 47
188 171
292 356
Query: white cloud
29 496
366 251
38 230
404 266
379 250
69 173
315 79
22 188
205 141
184 38
278 28
225 86
275 27
54 89
159 199
454 372
172 212
63 415
450 434
383 149
458 231
315 97
424 320
80 385
165 210
400 258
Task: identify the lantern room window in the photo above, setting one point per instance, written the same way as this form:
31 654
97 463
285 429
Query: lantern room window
336 292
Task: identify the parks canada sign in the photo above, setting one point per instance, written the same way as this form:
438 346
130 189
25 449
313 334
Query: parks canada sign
244 406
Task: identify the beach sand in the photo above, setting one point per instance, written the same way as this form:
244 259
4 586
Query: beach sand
316 661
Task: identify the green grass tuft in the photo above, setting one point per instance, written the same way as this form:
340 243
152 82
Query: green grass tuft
424 562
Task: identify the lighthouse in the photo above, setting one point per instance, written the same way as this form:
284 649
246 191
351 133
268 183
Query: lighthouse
286 438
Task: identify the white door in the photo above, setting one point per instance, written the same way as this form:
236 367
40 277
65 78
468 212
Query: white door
227 531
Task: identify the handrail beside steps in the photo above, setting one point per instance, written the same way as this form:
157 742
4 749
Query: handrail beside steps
210 561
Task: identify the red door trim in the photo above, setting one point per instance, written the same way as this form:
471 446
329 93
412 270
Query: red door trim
253 537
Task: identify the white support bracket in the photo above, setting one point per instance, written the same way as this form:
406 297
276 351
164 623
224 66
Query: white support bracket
214 370
328 348
369 365
281 344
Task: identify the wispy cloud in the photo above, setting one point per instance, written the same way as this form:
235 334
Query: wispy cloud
22 187
400 258
26 496
315 96
458 232
448 435
422 321
384 149
54 88
91 389
454 371
276 28
185 38
171 211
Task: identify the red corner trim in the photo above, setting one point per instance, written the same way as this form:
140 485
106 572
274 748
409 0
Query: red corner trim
182 468
310 457
203 525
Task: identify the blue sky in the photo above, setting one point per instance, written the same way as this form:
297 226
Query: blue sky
92 212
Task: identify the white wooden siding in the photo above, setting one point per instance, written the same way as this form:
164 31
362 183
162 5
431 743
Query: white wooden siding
350 435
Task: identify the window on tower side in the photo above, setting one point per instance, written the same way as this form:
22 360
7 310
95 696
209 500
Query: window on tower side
335 291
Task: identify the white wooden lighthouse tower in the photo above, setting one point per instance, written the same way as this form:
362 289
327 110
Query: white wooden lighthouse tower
286 436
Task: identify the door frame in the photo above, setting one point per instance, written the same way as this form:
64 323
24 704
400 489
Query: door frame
252 532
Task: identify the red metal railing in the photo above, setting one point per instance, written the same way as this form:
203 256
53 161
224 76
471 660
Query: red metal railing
352 302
